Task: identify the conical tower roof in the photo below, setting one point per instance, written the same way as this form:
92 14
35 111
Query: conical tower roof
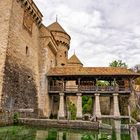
74 60
56 27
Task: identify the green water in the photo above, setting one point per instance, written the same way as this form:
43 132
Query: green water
30 133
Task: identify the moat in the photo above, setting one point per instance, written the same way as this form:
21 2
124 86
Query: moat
37 133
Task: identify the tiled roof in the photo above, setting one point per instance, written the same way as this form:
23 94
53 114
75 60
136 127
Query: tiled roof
74 60
56 27
65 71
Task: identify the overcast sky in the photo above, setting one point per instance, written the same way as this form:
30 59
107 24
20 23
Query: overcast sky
101 30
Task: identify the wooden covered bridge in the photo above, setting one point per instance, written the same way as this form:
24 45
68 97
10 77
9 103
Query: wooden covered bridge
79 81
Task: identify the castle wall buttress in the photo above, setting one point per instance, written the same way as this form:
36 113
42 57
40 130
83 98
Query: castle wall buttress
46 61
21 73
5 13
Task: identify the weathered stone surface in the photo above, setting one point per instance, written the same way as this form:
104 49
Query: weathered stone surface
5 8
76 124
19 88
28 50
123 105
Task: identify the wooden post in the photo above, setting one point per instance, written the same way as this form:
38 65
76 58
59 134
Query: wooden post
116 87
79 84
49 84
65 85
96 84
62 84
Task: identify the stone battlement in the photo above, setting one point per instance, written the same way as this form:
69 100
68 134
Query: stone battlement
32 9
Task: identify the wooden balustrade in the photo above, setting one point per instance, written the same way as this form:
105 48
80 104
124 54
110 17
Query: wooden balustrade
56 88
89 88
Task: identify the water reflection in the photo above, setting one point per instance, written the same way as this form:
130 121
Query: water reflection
28 133
71 135
56 134
117 127
40 134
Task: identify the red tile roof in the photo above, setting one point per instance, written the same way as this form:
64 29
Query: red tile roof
68 71
56 27
74 60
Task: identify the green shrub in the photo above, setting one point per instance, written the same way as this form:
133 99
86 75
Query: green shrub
87 104
72 109
134 114
16 118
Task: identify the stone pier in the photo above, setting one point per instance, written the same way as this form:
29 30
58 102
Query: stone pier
61 113
79 106
97 110
116 105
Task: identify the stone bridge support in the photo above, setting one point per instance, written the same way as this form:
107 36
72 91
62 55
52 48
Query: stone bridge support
97 109
79 106
61 112
116 105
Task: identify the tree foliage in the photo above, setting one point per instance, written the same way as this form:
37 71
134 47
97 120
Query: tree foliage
87 104
136 68
72 109
102 83
137 81
118 63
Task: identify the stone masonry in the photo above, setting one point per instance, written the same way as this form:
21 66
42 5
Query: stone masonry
28 49
28 52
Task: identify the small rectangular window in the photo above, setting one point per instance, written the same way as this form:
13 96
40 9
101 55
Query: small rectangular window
27 51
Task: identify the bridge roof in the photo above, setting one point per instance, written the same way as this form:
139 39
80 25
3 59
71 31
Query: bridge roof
90 71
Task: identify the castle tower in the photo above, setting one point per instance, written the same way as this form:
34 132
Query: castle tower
63 42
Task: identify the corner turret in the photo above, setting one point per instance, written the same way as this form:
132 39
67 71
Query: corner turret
63 42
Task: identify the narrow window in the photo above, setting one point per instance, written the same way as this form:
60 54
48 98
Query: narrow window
27 51
62 64
51 63
65 54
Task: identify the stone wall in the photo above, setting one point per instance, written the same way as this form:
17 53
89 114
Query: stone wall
62 55
61 124
63 41
5 13
19 88
137 88
21 74
105 105
123 105
47 59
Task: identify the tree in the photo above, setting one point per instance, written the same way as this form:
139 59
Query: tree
136 68
118 63
87 104
72 109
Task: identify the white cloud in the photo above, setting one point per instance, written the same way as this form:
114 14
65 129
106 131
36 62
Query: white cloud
101 30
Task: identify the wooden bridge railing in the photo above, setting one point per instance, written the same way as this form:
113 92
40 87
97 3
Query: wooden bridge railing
89 88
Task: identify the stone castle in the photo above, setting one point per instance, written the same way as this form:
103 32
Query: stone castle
34 64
